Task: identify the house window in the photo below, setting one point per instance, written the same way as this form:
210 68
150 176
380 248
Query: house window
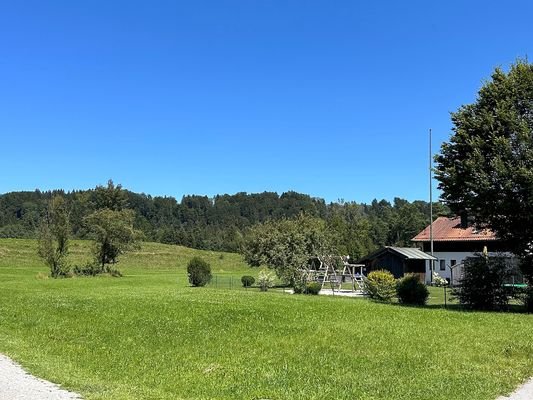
442 265
453 262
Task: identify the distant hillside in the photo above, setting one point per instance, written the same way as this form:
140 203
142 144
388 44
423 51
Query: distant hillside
16 253
219 223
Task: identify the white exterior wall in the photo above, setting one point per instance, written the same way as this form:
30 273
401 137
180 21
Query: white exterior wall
447 256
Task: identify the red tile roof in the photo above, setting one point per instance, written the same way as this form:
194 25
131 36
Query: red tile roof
449 229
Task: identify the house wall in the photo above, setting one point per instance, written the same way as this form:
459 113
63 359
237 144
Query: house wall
448 256
467 246
458 251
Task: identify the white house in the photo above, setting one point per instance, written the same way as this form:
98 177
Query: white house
453 241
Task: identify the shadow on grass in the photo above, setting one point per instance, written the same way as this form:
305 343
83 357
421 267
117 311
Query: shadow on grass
513 308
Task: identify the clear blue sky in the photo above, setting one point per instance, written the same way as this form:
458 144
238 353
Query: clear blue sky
329 98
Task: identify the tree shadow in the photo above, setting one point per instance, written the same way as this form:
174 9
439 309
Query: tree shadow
512 309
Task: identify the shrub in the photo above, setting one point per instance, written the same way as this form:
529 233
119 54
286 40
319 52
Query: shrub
247 280
482 284
41 276
199 272
313 288
526 265
265 280
54 238
439 280
115 273
524 295
528 300
411 291
89 269
299 285
380 285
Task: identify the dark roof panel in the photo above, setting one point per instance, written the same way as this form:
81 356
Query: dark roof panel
408 253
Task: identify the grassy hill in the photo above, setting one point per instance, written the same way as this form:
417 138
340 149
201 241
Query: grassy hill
155 257
150 336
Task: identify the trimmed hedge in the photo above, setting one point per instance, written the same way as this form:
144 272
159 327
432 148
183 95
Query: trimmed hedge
199 272
411 291
247 280
313 288
380 285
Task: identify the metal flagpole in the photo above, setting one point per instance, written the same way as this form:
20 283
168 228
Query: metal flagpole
432 262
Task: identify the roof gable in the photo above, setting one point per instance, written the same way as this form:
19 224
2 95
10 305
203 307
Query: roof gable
449 229
407 253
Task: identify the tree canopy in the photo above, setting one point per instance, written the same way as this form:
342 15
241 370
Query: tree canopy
111 226
486 169
113 234
287 245
220 223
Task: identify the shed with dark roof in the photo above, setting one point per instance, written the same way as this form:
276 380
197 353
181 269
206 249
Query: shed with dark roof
398 260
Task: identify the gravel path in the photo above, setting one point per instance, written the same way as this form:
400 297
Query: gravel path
16 384
524 392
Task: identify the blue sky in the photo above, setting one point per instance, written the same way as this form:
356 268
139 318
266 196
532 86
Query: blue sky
329 98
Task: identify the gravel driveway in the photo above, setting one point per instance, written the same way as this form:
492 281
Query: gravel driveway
16 384
524 392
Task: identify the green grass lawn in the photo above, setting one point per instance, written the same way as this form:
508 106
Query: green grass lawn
148 335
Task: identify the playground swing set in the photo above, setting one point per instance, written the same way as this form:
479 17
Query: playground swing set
334 272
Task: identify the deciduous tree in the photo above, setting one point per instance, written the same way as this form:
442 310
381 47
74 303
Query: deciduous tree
286 245
486 169
54 236
113 234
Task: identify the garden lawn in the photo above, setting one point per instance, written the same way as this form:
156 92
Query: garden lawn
149 336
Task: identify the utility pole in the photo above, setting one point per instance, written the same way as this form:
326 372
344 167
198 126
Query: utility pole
432 262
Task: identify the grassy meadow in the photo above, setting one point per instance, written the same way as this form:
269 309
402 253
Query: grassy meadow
148 335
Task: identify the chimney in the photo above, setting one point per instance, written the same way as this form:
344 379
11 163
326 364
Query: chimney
464 220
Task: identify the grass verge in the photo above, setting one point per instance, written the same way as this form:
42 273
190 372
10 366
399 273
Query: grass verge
150 336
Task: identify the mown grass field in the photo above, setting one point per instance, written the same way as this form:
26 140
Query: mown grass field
148 335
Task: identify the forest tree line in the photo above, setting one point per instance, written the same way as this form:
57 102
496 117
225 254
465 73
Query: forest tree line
220 223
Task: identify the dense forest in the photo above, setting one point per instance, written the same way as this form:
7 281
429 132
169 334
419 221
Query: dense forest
220 222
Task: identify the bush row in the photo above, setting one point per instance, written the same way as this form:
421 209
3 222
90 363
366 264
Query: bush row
481 288
381 285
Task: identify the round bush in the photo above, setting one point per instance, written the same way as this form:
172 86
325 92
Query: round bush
380 285
299 285
313 288
247 280
265 279
199 272
481 286
411 291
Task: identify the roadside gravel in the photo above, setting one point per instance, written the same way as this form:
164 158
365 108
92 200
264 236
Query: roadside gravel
17 384
524 392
